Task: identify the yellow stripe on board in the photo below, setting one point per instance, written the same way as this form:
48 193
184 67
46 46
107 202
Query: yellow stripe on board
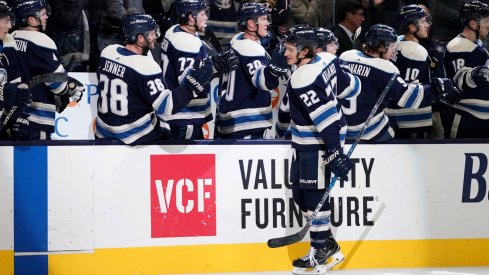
258 257
6 262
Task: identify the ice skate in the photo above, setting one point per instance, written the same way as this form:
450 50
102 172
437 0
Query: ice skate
315 261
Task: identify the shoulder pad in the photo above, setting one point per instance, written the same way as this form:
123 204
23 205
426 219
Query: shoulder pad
354 56
306 75
38 38
247 47
9 41
460 44
142 64
183 41
413 50
326 57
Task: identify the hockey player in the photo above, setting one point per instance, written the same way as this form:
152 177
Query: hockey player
12 93
464 60
133 91
181 49
37 55
413 63
374 69
245 109
326 41
316 140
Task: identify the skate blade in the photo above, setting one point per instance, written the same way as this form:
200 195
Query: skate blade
336 259
318 270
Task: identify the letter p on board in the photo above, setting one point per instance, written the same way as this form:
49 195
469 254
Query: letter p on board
183 195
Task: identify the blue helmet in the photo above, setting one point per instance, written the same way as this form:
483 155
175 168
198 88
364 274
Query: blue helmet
473 10
409 15
302 36
24 9
250 10
138 23
186 7
324 37
380 34
5 11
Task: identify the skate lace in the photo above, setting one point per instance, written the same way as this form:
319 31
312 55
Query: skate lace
310 257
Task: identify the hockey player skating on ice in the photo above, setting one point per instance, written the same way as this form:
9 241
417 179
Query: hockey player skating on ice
374 69
316 140
181 49
245 109
413 63
37 55
466 60
133 92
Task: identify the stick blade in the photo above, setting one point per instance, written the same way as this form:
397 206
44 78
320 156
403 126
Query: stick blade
288 240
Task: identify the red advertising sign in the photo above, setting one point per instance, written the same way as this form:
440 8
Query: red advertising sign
183 195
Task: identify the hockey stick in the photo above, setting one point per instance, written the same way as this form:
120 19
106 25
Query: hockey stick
218 102
35 80
287 240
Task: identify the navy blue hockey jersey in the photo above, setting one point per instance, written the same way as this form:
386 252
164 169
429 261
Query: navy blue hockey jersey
413 63
132 93
9 66
461 52
316 116
180 51
374 74
37 55
245 107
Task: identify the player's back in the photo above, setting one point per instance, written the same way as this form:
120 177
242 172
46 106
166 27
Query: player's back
461 52
126 83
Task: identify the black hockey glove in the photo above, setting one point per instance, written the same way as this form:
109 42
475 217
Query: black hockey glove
278 66
445 91
225 62
15 95
339 163
480 74
74 89
20 129
61 102
197 79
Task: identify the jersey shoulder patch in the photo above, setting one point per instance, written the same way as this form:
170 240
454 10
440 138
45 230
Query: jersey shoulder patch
354 56
460 44
183 41
247 47
142 64
38 38
413 50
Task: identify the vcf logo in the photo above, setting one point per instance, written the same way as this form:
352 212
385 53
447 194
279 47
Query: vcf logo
183 195
479 189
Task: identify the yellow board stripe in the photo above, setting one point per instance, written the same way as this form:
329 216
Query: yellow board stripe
258 257
6 262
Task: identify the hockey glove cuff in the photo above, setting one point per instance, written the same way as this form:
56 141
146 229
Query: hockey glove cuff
197 79
339 163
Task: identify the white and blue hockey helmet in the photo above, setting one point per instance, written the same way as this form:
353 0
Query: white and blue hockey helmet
138 23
